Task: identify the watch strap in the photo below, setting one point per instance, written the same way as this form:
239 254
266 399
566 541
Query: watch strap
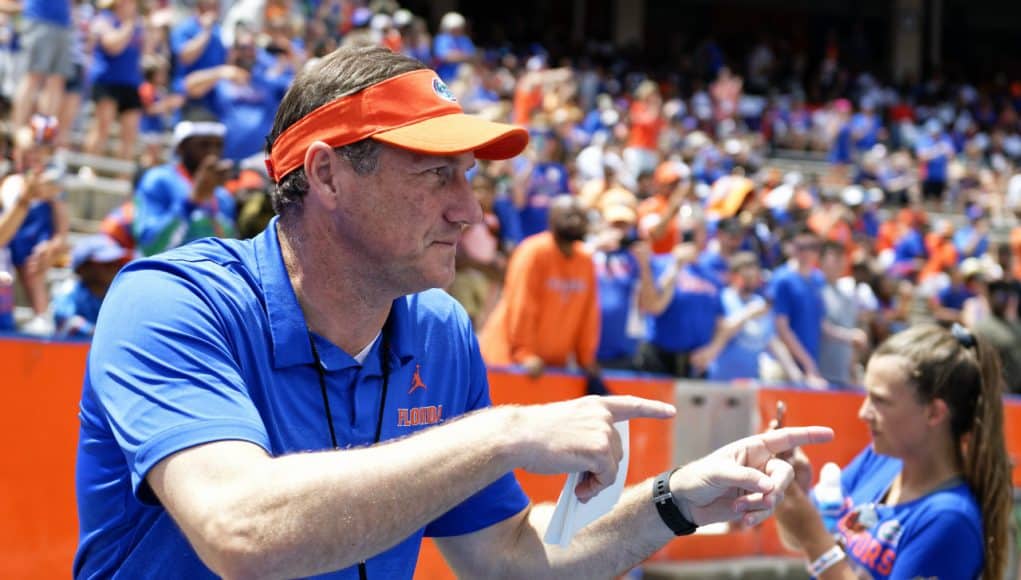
663 499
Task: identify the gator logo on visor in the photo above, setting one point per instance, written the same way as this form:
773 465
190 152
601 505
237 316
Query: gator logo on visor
441 89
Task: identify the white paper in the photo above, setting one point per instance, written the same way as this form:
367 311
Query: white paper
571 515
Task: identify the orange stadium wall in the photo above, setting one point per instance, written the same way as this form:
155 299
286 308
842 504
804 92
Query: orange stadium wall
40 392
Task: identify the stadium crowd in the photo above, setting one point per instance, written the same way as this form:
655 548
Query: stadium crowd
649 225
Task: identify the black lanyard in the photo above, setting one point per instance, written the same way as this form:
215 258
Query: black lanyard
384 365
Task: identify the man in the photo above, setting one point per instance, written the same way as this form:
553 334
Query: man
452 46
179 202
549 311
657 215
746 330
685 306
244 94
235 387
197 43
841 334
796 291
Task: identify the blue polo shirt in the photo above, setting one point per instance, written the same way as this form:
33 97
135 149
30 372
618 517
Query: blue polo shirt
208 343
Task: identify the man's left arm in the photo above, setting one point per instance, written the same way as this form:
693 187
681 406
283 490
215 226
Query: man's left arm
743 480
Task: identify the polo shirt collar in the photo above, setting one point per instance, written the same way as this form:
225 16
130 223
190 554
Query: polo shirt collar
287 325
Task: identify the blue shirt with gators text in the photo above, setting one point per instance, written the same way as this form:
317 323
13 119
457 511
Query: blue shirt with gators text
208 343
938 535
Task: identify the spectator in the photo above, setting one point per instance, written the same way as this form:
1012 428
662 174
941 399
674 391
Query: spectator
158 106
96 260
547 178
549 312
658 214
646 123
77 84
931 494
32 195
185 200
715 259
481 259
1002 330
972 240
935 150
746 332
245 93
798 303
685 307
841 334
196 43
116 77
622 269
452 46
46 44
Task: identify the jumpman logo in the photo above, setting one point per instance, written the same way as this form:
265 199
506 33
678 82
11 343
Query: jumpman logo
416 380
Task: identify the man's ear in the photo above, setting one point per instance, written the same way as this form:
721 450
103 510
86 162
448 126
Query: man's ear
322 169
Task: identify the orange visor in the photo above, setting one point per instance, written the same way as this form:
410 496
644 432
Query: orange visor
413 111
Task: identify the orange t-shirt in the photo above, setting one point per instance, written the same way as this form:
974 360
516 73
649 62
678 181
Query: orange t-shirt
942 255
549 307
657 206
645 127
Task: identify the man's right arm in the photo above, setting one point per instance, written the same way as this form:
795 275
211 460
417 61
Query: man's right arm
250 515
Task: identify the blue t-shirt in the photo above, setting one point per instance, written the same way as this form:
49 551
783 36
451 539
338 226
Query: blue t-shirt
57 12
546 181
617 275
714 264
953 296
938 535
443 45
740 358
800 300
118 69
962 238
78 302
248 110
689 322
941 148
37 227
165 216
208 343
909 247
214 54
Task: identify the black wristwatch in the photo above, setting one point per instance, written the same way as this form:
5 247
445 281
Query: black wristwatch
667 507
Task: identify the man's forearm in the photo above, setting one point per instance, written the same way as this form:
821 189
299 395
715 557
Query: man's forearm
608 547
310 513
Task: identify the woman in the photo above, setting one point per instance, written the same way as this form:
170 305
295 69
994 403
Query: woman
931 496
116 76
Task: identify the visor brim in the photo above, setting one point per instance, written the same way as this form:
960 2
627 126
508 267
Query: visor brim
458 133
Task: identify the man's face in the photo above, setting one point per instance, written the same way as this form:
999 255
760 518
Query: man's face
193 150
569 223
833 264
405 219
806 249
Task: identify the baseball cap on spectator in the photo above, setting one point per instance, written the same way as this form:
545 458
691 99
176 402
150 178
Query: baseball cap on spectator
97 248
380 22
361 17
451 21
975 212
670 172
617 213
842 105
971 267
402 18
852 195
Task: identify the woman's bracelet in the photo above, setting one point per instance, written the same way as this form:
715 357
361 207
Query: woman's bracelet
826 561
